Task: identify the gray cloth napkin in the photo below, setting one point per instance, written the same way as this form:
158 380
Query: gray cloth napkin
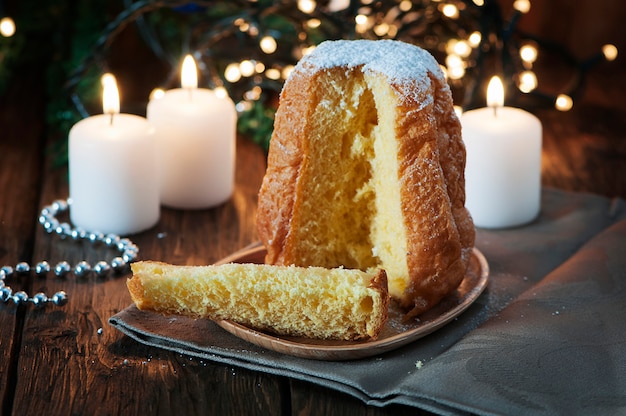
548 335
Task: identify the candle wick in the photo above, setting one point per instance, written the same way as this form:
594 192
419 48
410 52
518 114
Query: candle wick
495 111
111 119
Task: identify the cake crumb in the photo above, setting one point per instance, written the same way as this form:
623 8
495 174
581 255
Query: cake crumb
419 364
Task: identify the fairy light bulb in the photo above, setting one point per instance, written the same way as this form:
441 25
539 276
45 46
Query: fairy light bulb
528 53
454 61
479 3
272 73
474 39
462 48
268 44
7 27
522 6
405 5
381 29
450 10
610 52
456 72
157 94
232 73
314 23
246 68
361 21
337 5
563 102
306 6
527 81
287 71
221 92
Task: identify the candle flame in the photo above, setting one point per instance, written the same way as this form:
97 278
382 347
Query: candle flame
495 93
110 95
189 73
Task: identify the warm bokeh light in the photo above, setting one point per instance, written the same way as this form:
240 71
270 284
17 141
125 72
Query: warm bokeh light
450 10
268 44
7 27
306 6
247 68
189 73
563 102
287 71
495 92
314 23
528 53
157 94
527 81
474 39
221 92
337 5
462 48
405 5
272 73
232 72
522 6
610 52
479 3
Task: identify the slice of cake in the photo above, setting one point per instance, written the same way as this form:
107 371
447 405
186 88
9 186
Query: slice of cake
366 169
313 302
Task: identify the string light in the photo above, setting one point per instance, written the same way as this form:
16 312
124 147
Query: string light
469 44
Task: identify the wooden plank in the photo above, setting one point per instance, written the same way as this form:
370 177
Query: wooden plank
22 120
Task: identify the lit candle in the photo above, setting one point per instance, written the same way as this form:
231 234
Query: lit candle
196 136
503 168
113 171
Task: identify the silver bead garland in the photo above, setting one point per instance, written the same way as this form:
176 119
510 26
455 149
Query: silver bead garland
48 219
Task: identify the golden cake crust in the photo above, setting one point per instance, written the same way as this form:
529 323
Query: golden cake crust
431 163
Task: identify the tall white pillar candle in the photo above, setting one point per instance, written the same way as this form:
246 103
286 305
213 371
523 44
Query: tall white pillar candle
113 172
503 167
196 135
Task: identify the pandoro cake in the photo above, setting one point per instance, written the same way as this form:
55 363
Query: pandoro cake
366 170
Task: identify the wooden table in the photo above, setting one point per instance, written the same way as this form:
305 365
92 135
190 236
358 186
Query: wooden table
70 361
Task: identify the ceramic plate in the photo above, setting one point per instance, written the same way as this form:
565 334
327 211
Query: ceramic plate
396 333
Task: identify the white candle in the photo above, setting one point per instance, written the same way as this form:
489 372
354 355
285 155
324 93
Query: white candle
196 135
113 171
503 169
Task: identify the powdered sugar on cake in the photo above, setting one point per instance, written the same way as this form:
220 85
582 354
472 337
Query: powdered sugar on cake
399 61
